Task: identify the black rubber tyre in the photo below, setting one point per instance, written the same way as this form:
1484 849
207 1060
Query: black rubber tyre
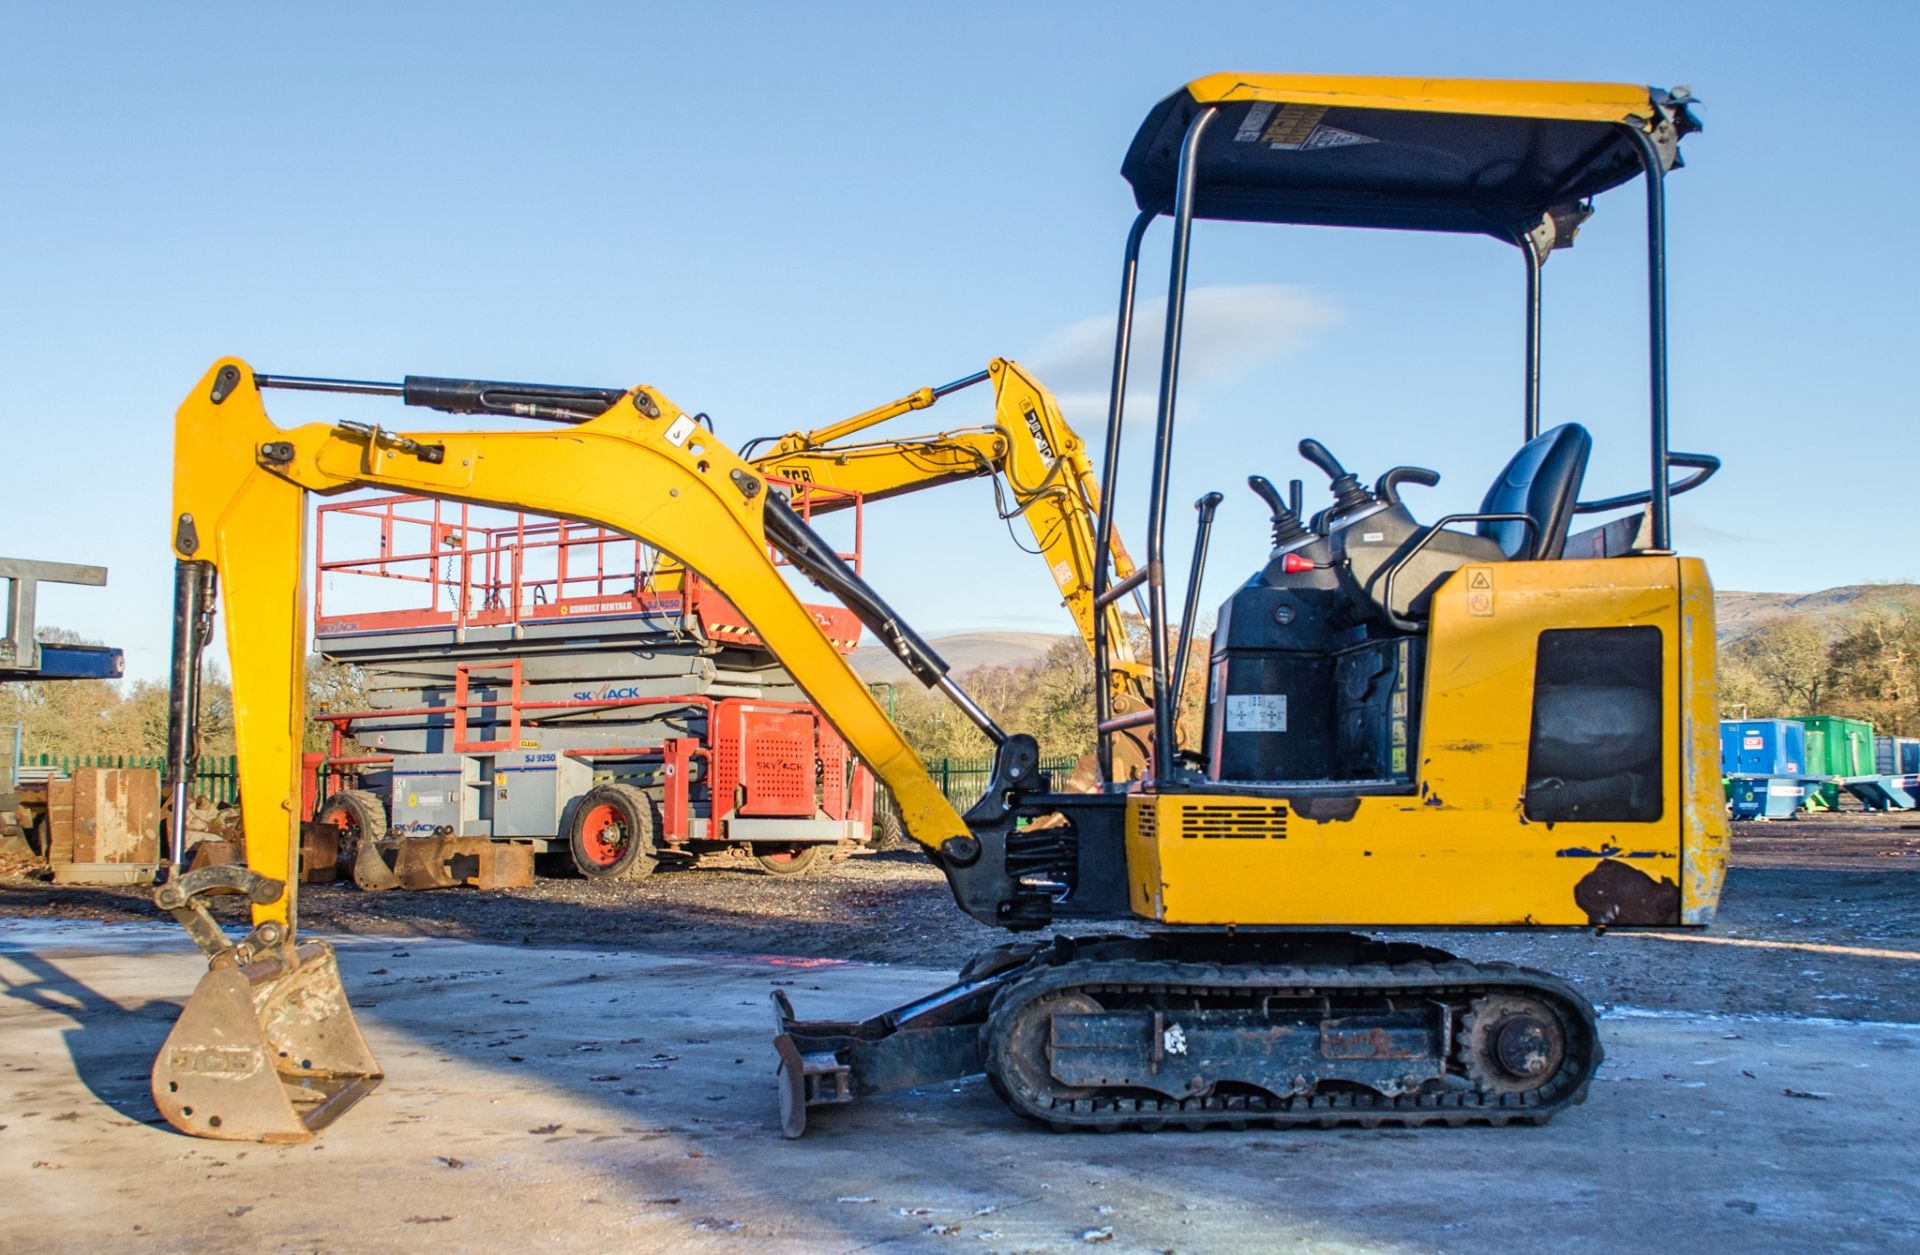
789 860
361 818
613 834
889 834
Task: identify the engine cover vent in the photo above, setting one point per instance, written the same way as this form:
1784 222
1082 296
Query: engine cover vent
1239 821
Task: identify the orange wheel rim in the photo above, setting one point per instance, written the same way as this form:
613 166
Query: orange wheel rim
603 835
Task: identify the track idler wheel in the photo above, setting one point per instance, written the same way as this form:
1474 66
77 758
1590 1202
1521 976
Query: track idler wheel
1020 1053
1511 1044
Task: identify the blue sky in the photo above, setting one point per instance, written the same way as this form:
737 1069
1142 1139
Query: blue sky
781 214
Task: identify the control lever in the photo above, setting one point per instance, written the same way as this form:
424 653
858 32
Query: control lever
1287 527
1345 486
1190 613
1387 490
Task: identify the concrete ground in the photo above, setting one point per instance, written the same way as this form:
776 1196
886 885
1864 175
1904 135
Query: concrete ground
573 1100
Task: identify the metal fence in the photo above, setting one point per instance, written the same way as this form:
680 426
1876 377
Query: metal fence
963 780
217 777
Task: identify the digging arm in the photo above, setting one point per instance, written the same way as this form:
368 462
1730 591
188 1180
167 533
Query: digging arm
642 467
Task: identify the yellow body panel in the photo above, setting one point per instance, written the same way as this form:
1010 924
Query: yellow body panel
1459 850
243 481
1511 98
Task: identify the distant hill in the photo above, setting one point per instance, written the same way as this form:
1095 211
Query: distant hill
964 651
1738 614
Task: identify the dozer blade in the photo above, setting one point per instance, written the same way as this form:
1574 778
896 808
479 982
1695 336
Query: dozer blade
265 1052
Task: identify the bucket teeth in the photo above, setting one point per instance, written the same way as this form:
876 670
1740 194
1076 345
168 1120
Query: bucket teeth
266 1052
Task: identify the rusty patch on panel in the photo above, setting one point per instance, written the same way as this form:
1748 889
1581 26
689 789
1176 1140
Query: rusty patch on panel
1616 893
1325 809
1339 1041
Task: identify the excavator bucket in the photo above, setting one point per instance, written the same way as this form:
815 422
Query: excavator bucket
373 867
265 1051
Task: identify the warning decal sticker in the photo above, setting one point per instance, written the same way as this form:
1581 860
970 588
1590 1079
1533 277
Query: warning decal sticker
1333 137
1293 126
1480 591
682 428
1254 123
1257 712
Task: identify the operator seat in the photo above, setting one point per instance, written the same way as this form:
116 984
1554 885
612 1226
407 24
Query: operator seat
1542 481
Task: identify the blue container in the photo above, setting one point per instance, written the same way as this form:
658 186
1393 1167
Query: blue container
1763 747
1765 797
1896 755
1764 760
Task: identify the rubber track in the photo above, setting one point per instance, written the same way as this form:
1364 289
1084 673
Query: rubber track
1455 979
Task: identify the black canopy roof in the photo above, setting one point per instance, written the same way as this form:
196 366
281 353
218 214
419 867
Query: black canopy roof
1477 156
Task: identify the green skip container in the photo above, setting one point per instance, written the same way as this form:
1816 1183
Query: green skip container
1836 747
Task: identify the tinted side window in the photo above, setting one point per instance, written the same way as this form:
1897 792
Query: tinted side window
1595 751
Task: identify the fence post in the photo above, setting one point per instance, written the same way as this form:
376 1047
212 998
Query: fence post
946 775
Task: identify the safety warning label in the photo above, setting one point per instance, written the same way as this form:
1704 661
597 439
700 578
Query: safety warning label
1480 591
682 428
1294 128
1331 137
1254 122
1257 712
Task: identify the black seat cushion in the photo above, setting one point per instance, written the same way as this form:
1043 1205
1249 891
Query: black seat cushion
1543 482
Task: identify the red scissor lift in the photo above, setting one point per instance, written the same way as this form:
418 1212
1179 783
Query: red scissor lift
538 680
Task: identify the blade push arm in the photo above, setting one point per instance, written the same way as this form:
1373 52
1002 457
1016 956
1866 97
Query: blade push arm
642 467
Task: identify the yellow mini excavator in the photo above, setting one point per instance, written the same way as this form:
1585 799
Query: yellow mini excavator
1483 721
